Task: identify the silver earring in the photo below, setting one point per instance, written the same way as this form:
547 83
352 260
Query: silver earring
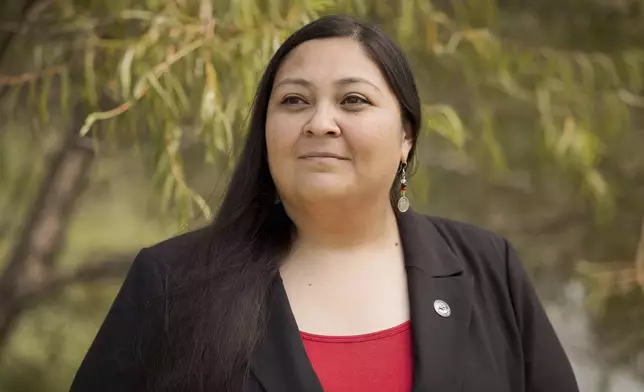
403 202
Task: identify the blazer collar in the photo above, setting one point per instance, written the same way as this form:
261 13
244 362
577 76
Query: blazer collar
424 246
434 273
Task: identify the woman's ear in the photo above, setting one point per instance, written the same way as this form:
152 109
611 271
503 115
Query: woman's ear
407 143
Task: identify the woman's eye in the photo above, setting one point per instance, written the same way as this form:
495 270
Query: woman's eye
292 100
355 100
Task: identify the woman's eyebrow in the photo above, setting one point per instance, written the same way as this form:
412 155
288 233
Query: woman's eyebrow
296 81
354 80
341 81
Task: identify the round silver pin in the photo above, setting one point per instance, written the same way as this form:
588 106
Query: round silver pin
442 308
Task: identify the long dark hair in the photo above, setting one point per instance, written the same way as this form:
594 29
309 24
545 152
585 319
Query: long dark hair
216 304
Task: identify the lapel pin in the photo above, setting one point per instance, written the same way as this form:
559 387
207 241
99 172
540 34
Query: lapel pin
442 308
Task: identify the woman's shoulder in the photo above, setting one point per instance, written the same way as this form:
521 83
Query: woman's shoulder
464 235
164 254
180 243
482 251
486 256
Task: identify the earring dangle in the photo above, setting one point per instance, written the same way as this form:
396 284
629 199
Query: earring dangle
403 202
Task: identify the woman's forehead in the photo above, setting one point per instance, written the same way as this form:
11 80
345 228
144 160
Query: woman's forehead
328 61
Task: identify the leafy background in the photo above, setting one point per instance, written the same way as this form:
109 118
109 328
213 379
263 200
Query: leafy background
120 121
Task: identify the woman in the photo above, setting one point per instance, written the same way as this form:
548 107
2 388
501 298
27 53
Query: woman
315 275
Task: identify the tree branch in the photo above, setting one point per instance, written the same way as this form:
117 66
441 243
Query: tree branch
115 267
14 80
639 258
618 274
12 307
141 87
30 10
6 43
109 268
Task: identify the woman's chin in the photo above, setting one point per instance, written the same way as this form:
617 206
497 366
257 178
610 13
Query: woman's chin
324 191
324 194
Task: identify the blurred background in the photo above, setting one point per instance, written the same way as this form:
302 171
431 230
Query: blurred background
120 121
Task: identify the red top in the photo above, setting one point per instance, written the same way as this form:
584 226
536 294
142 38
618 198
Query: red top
376 362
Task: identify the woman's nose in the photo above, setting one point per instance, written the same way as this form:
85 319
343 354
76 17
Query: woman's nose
322 123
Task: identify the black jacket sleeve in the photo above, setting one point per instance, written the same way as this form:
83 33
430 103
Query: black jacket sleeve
116 360
547 368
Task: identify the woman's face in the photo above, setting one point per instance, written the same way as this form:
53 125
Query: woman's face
333 127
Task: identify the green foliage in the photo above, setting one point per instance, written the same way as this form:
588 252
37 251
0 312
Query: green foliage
184 71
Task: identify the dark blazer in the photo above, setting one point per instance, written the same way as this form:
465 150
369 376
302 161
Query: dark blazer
496 339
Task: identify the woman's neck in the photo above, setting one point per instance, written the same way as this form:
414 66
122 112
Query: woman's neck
349 228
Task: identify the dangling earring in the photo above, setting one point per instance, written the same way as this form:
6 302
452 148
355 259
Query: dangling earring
403 202
277 199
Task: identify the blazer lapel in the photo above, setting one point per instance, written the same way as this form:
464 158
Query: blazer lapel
281 363
434 273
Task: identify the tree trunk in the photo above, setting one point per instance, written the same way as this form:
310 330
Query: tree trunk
30 265
639 259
